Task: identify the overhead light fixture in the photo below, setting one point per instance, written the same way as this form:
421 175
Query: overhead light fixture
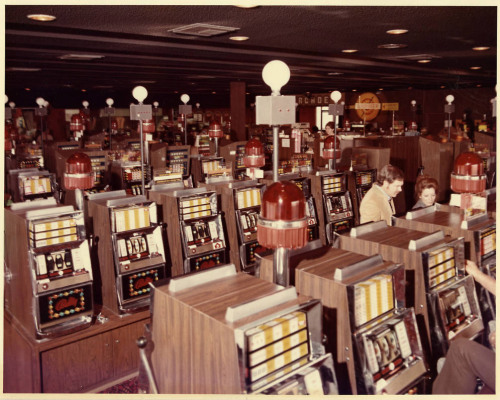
397 31
214 92
354 90
480 48
476 67
204 30
246 6
349 51
41 17
80 57
479 85
335 73
144 82
27 89
424 61
392 46
239 38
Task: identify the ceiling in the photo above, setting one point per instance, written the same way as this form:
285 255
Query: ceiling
138 47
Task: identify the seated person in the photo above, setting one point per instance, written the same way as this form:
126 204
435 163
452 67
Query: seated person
378 203
426 190
467 360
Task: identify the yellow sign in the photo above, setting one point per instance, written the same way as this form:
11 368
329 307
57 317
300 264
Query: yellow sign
390 106
368 106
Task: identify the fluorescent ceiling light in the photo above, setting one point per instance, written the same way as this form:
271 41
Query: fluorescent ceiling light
22 69
480 48
349 51
392 46
239 38
397 31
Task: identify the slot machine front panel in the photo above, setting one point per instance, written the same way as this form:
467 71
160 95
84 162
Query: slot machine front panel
304 184
247 205
138 253
337 205
390 356
35 186
61 271
202 231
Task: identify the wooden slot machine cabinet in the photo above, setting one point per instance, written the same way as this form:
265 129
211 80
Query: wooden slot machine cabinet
49 281
234 153
479 233
374 340
204 168
241 204
304 184
444 300
232 333
129 244
127 175
195 229
335 207
32 184
358 183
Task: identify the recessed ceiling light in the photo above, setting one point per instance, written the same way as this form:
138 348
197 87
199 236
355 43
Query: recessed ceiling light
239 38
424 61
27 89
335 73
84 90
214 92
442 86
479 85
349 51
397 31
381 88
476 67
41 17
246 6
354 90
392 46
480 48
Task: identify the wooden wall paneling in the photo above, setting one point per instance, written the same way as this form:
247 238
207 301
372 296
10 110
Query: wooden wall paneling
437 160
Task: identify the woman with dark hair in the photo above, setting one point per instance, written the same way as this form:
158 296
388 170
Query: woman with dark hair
378 203
426 191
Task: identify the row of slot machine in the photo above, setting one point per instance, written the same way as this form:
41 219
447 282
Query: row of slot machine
386 322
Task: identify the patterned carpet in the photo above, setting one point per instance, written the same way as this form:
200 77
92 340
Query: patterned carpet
128 386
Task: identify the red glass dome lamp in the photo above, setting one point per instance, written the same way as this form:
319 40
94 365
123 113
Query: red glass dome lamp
215 132
254 158
468 174
79 175
77 126
331 151
282 225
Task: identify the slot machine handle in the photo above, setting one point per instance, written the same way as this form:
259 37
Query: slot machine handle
142 343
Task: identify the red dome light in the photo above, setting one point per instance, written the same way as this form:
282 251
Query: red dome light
215 130
254 154
76 123
329 149
79 173
282 222
467 175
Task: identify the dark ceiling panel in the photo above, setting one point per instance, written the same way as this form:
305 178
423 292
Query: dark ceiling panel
138 45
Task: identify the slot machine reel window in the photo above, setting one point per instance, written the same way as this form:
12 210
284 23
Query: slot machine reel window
36 186
458 307
386 350
248 202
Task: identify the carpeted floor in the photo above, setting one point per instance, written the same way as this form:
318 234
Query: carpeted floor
128 386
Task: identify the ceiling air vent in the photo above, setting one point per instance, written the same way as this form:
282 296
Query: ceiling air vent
205 30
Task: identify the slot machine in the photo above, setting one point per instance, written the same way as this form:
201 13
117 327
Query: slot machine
178 160
358 183
240 335
32 184
195 229
205 168
479 233
130 249
170 178
49 281
127 175
234 153
433 264
335 209
363 297
241 204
